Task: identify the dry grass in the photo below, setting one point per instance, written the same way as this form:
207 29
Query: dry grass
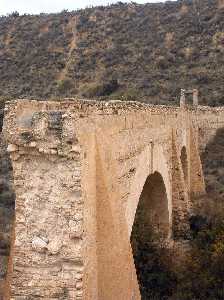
154 49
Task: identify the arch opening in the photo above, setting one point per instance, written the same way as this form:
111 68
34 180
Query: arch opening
150 227
183 158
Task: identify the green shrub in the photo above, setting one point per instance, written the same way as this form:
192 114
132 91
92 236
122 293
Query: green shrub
64 85
99 89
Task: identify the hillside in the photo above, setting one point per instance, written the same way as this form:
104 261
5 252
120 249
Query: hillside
124 51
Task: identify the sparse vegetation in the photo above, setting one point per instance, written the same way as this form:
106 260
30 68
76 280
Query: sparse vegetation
151 51
199 278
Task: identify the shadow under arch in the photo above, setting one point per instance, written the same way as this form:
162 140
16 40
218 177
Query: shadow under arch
212 159
184 163
151 221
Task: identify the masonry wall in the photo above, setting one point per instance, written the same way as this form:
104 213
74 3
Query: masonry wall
49 230
48 248
79 169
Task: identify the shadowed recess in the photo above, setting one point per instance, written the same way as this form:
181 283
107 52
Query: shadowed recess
183 158
213 165
151 224
7 211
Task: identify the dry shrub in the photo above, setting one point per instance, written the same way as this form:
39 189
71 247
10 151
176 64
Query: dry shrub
184 9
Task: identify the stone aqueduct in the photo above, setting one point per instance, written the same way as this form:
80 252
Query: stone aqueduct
80 168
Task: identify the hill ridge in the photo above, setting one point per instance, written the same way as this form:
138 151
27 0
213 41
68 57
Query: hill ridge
145 52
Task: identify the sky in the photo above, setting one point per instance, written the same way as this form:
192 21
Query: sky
38 6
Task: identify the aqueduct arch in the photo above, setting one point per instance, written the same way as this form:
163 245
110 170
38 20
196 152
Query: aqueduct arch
151 218
152 210
150 161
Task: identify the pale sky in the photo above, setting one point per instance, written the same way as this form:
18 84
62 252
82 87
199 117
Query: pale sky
38 6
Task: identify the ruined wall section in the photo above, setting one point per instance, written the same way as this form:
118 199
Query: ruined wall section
48 250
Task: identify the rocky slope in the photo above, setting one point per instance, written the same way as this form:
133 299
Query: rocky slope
125 51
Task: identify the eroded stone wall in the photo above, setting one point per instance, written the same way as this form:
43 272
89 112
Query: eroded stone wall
48 248
49 216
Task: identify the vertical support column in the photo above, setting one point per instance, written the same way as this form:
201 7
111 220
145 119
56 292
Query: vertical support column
195 97
182 98
47 260
117 277
180 199
48 252
88 141
197 184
